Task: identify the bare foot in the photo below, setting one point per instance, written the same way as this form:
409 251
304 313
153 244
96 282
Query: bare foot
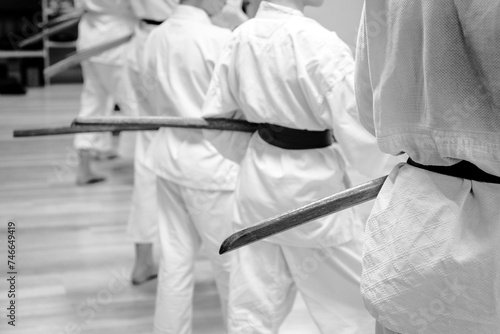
82 180
144 268
143 273
84 174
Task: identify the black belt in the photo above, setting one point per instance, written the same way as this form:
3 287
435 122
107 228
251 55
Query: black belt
463 170
293 139
152 22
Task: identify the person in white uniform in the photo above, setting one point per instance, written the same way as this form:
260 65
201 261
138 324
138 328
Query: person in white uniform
427 83
143 218
285 70
194 182
143 222
104 82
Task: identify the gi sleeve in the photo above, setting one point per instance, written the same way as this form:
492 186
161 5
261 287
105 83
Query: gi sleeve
363 87
358 145
220 102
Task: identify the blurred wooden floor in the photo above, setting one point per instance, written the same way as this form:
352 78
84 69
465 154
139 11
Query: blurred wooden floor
73 257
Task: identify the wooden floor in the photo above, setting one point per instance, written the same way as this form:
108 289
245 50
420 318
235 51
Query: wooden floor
73 258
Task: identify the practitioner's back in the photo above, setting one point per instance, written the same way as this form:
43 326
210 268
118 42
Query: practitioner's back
434 68
273 52
428 76
181 55
187 47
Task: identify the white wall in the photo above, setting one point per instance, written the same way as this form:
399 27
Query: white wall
341 16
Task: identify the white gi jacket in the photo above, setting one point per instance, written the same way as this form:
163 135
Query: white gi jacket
312 90
158 10
427 82
105 21
179 155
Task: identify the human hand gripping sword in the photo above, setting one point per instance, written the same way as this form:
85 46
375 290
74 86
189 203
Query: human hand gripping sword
324 207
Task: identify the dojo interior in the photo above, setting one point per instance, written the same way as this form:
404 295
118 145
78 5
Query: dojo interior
73 257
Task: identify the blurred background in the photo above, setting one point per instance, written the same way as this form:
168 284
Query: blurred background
20 19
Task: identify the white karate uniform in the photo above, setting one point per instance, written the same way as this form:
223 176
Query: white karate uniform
143 218
157 10
283 68
104 81
427 82
195 183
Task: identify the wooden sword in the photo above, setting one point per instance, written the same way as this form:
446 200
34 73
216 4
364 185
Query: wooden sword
68 130
49 32
82 55
115 123
77 13
167 121
324 207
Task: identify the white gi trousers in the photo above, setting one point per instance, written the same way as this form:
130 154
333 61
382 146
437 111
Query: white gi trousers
143 218
103 85
263 290
188 217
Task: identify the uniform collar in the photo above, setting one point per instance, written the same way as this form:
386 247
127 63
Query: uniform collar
270 10
190 13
